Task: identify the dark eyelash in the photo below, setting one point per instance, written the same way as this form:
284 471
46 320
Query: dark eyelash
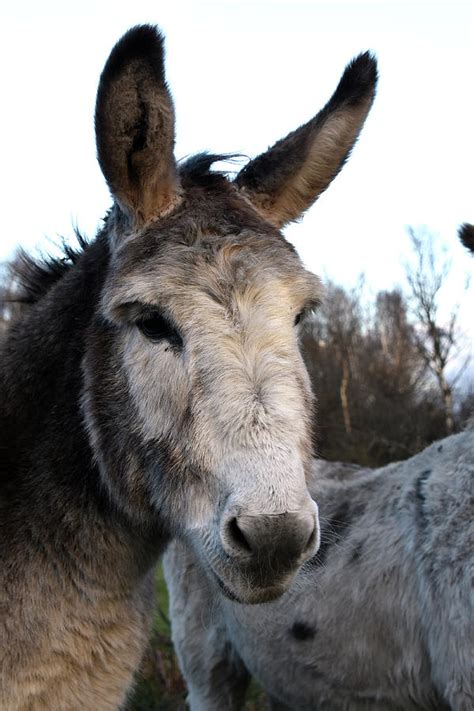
306 312
299 316
155 327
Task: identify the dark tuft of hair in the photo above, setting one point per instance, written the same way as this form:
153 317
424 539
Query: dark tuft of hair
197 168
302 631
358 81
357 85
466 235
32 277
143 43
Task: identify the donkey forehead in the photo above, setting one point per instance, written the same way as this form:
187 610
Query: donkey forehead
165 265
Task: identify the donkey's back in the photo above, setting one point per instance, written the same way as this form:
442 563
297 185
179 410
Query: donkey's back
380 619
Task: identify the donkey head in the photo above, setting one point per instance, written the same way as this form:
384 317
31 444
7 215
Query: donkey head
197 399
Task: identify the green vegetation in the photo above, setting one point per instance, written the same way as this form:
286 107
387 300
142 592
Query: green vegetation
160 686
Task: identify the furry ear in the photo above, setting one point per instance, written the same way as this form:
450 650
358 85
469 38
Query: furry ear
134 124
283 182
466 235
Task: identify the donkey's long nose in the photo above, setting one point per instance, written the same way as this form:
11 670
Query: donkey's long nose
285 538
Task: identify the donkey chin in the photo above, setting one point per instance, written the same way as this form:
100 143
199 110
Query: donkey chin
254 558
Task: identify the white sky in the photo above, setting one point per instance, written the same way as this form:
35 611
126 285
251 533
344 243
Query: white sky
243 74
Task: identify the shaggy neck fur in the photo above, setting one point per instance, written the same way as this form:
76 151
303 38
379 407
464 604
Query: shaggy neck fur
50 461
76 573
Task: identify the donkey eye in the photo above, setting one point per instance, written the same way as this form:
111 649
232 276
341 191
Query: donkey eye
157 328
298 317
306 312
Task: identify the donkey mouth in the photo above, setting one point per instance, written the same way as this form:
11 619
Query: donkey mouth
252 594
254 558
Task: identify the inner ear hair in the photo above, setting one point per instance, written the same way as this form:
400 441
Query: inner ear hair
134 123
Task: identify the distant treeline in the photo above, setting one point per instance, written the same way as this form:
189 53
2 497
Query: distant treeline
379 396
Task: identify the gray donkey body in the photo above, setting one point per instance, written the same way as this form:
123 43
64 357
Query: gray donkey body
382 617
152 386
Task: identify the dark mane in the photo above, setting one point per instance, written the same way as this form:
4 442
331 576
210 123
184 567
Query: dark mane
196 169
30 278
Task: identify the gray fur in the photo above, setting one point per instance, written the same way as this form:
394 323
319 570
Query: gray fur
384 623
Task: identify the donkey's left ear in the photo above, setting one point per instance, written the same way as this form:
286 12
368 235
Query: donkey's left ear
283 182
134 123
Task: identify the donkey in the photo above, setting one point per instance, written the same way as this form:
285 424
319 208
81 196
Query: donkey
381 618
153 387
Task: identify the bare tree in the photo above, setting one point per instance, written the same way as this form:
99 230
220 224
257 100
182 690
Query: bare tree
334 335
394 343
437 340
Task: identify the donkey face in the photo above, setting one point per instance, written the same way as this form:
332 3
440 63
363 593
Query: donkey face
197 400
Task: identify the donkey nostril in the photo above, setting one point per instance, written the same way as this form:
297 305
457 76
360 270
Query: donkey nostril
283 538
237 536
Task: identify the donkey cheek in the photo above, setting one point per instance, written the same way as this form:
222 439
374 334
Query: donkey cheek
159 390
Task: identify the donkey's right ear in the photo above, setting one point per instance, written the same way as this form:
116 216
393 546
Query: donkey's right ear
134 124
